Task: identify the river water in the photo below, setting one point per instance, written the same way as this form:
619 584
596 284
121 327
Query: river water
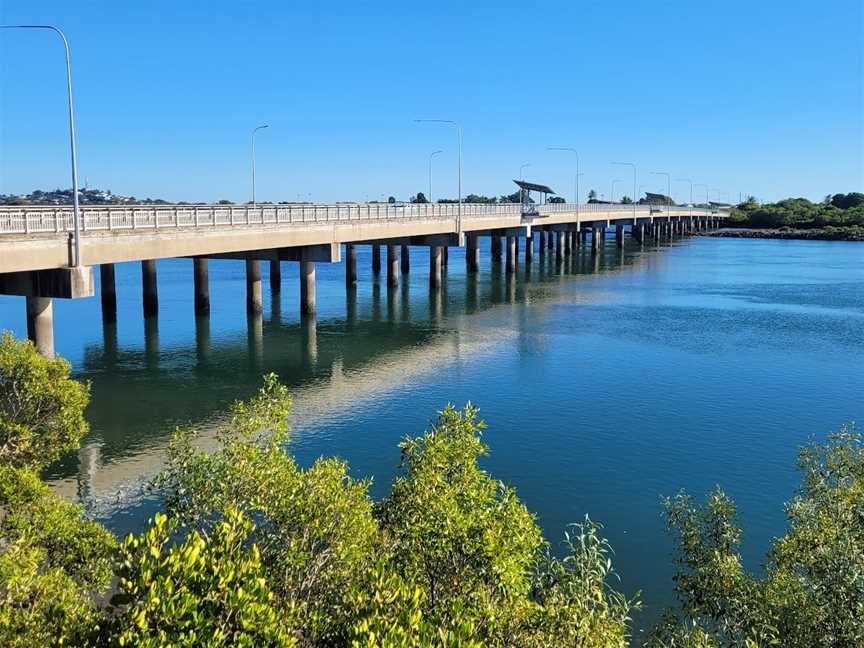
606 382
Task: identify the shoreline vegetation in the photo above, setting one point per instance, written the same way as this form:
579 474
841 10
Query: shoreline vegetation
250 549
839 217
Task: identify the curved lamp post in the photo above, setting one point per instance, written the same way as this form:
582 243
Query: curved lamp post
431 155
459 132
76 255
522 166
255 130
668 183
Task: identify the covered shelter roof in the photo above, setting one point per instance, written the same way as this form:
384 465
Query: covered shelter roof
531 186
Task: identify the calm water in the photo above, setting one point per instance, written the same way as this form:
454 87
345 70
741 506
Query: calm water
606 382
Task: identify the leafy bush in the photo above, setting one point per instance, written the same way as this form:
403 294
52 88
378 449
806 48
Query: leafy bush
812 593
41 408
843 210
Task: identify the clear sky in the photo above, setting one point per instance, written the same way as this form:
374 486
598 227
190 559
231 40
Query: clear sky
761 97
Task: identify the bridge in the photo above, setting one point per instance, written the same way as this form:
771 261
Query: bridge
37 246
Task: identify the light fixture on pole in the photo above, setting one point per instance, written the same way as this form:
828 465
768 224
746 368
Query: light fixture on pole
522 166
459 131
255 130
431 155
707 200
688 180
76 213
576 182
612 195
630 164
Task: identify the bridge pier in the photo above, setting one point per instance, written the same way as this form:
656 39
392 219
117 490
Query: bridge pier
392 266
275 276
307 288
472 255
619 235
254 298
566 243
445 255
350 265
542 243
404 260
549 243
40 324
376 259
511 254
529 248
597 235
201 280
496 247
435 255
108 292
150 288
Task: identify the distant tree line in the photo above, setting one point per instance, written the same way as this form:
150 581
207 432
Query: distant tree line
837 211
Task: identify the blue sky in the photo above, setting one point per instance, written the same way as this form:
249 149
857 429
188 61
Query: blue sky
754 97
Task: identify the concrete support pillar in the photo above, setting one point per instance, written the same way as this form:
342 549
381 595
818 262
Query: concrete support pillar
275 276
445 256
577 239
566 243
549 237
559 246
619 235
511 254
472 254
542 243
350 265
201 281
392 266
435 254
529 248
150 289
254 298
496 247
108 292
638 232
307 288
597 236
516 256
40 324
376 259
404 260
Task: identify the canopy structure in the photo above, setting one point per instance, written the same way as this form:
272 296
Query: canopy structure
525 188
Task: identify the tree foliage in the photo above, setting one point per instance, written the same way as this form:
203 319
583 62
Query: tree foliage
812 592
840 210
41 408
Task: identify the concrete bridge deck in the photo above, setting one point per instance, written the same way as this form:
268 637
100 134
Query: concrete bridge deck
36 248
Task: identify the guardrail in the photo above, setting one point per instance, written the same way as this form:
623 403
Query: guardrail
40 219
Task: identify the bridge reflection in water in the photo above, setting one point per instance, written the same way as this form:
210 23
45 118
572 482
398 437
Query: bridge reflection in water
384 339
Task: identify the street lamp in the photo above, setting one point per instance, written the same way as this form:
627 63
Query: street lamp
691 191
668 184
76 260
431 155
576 183
459 131
255 130
630 164
699 184
522 166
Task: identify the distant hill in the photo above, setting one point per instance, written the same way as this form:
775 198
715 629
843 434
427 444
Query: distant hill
85 197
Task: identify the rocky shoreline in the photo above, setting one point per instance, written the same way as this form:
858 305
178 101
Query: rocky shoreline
826 234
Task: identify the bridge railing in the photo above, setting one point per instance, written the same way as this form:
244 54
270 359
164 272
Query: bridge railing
95 218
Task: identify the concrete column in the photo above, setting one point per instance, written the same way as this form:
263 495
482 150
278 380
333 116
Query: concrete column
496 247
350 265
542 242
108 292
392 266
254 299
559 246
376 259
445 256
201 280
619 235
151 291
566 243
511 254
529 248
40 324
516 256
275 276
597 236
577 239
404 260
435 254
638 233
307 287
472 254
549 236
